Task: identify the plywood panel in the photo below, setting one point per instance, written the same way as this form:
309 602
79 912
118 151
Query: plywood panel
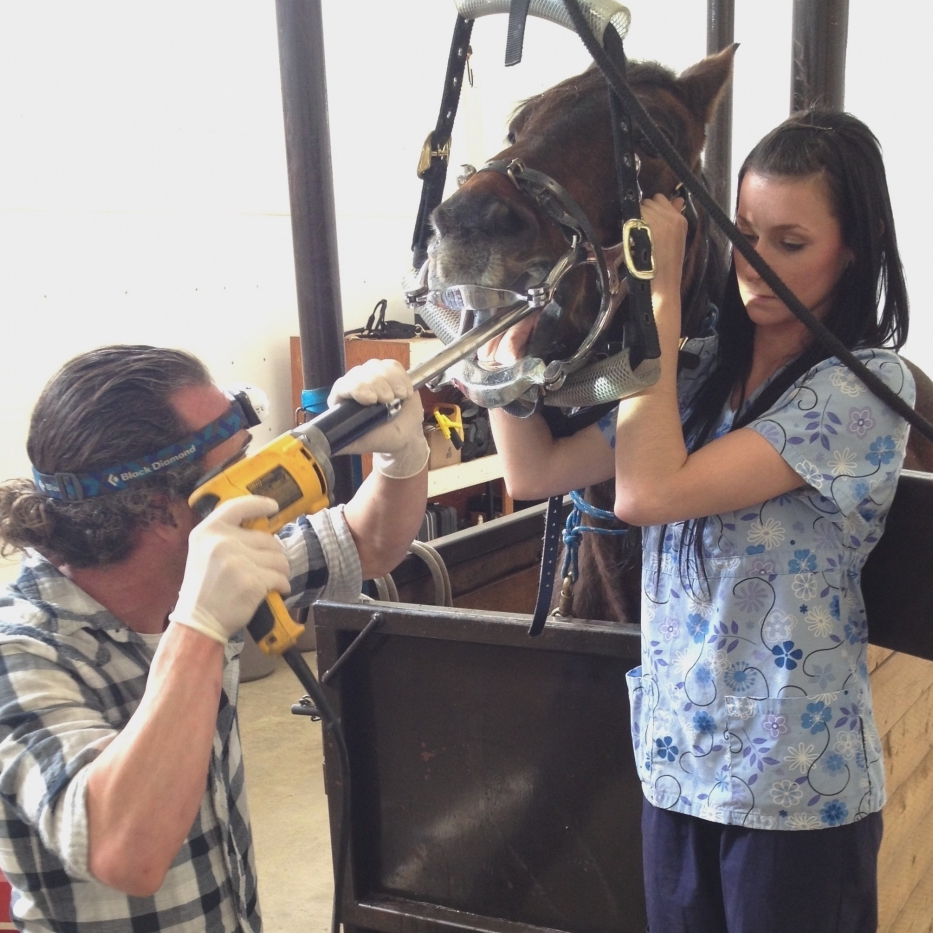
472 581
903 693
359 351
877 656
916 915
907 741
514 593
907 848
897 684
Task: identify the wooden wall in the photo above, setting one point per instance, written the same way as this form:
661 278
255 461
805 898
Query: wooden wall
502 574
903 690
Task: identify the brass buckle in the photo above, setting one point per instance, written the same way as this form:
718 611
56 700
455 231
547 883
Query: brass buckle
427 153
627 229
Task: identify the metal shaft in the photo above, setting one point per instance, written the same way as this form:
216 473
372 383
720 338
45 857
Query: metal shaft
346 421
717 154
311 197
462 346
818 76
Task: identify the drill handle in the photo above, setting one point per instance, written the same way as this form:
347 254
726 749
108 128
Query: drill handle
272 626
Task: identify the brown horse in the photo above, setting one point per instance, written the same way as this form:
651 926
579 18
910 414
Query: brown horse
489 234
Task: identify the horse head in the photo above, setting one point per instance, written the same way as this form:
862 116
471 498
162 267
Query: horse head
490 233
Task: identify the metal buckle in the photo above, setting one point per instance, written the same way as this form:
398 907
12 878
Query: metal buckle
628 229
427 153
513 169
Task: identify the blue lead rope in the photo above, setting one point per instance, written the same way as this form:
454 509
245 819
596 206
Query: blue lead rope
572 535
574 530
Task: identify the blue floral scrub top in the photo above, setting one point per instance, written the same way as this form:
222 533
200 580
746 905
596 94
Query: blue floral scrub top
752 705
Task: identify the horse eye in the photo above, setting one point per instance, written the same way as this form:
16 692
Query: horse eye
510 138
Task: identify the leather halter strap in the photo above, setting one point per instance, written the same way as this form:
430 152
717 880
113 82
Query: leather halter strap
640 331
432 168
642 335
557 202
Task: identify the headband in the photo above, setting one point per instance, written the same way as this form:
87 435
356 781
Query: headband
73 487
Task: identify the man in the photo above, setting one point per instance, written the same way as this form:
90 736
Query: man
121 779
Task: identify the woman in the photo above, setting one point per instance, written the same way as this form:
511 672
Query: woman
762 479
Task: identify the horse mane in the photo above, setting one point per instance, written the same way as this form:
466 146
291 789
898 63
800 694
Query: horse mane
649 74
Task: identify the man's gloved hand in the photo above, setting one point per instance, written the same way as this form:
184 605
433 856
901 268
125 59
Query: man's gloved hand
230 569
398 447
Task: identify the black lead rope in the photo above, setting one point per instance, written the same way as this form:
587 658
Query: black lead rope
832 343
553 522
641 335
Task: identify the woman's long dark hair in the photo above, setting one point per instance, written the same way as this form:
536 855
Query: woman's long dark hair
869 307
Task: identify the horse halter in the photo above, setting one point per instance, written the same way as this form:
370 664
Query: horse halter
576 381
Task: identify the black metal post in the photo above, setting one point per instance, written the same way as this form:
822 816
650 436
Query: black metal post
311 195
820 33
717 159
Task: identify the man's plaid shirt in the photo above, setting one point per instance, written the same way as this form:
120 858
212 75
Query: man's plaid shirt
71 675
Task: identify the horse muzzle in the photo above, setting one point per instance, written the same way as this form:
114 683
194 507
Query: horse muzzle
522 387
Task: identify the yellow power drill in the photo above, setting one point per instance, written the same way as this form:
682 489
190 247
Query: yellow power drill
295 470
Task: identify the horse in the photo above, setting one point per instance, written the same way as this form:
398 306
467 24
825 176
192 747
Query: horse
487 233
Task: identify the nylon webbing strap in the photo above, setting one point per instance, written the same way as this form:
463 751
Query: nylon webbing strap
435 175
553 522
515 39
563 425
641 335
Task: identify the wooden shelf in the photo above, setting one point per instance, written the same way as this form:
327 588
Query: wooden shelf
461 475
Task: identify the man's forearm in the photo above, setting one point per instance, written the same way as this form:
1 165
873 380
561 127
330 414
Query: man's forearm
145 788
384 516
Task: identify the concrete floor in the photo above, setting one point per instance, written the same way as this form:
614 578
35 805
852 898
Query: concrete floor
285 782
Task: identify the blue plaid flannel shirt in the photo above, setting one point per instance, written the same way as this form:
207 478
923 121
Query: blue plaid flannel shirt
71 676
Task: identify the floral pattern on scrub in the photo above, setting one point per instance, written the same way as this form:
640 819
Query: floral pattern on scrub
752 705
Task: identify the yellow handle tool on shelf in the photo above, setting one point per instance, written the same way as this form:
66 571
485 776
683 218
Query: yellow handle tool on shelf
449 420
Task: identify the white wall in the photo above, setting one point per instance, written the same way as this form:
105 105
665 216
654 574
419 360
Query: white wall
143 191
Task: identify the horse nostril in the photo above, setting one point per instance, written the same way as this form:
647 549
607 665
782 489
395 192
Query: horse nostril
471 213
499 218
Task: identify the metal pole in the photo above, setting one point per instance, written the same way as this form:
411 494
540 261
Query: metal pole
820 33
717 158
311 195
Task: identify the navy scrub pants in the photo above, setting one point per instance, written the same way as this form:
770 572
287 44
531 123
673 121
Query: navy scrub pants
703 877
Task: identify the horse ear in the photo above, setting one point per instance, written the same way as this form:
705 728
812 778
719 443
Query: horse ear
703 84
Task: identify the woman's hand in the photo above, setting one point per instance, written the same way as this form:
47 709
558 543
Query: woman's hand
668 234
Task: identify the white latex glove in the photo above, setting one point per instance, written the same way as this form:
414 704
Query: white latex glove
230 569
398 446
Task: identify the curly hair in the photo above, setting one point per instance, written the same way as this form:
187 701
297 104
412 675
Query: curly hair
104 407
